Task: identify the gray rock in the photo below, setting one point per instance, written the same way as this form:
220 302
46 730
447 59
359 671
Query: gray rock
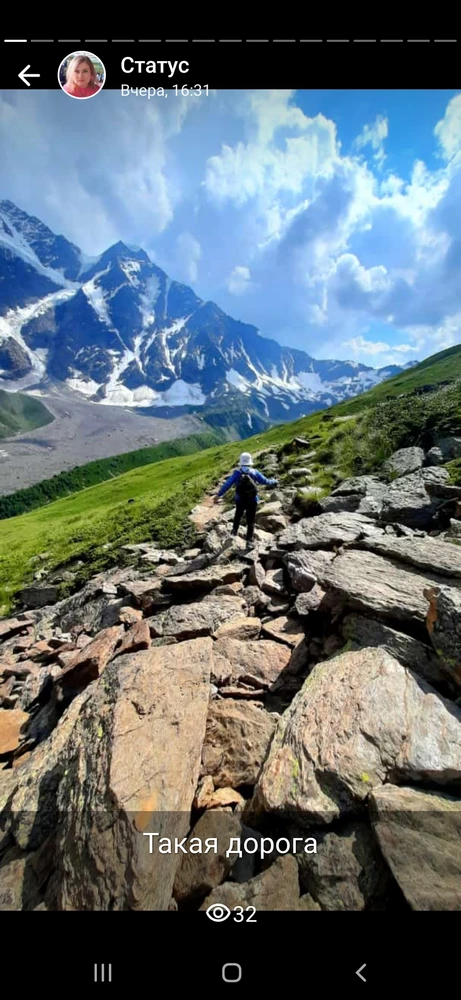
360 632
215 539
348 502
454 530
256 574
190 566
348 872
277 888
273 522
199 873
39 595
326 530
359 720
363 581
418 832
305 604
444 626
408 502
205 579
189 621
404 461
429 554
450 446
254 597
273 583
434 456
362 486
36 684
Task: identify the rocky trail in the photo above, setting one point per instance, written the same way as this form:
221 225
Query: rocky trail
306 689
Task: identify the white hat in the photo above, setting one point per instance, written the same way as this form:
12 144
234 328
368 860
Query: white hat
245 458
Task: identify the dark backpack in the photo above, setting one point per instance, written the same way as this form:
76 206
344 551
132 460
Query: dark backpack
246 487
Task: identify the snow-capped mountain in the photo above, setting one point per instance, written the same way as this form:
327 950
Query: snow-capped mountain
118 330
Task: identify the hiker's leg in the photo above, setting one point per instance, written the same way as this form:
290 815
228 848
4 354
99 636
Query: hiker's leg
239 512
251 514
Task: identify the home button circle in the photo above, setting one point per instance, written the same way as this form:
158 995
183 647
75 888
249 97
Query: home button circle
232 972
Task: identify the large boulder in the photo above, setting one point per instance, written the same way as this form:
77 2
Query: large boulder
124 760
360 631
198 873
237 740
363 581
362 494
418 832
432 555
277 888
263 660
403 462
325 531
359 720
360 486
408 502
190 621
347 872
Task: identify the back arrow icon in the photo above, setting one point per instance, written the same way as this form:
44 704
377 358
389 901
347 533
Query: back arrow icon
24 74
358 972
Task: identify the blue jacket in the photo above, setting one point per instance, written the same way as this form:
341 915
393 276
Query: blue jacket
234 478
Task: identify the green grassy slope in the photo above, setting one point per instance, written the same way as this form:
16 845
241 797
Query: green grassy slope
21 413
93 524
101 470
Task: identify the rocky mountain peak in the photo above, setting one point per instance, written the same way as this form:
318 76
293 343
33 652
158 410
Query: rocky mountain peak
173 351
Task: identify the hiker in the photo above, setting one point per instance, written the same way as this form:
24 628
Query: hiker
244 478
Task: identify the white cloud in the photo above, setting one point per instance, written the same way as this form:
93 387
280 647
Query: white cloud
239 280
268 164
105 171
188 254
374 136
448 130
359 346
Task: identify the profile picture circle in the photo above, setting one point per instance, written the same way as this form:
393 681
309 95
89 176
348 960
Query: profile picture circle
81 75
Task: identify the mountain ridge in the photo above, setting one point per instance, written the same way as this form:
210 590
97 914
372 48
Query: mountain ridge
118 330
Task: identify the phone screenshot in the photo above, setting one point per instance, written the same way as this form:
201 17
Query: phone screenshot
230 509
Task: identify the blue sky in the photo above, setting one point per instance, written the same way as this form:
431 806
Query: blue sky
331 220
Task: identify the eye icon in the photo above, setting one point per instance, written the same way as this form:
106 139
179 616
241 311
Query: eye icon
218 912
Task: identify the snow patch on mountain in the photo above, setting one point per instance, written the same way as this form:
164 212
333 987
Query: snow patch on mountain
16 243
11 325
96 298
237 380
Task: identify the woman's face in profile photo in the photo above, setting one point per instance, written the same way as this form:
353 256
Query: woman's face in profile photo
81 76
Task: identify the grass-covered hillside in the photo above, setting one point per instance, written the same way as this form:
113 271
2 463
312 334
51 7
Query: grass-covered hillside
101 470
21 413
355 437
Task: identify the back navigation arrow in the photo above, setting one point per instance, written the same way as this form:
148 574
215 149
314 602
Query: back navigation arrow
23 75
359 972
